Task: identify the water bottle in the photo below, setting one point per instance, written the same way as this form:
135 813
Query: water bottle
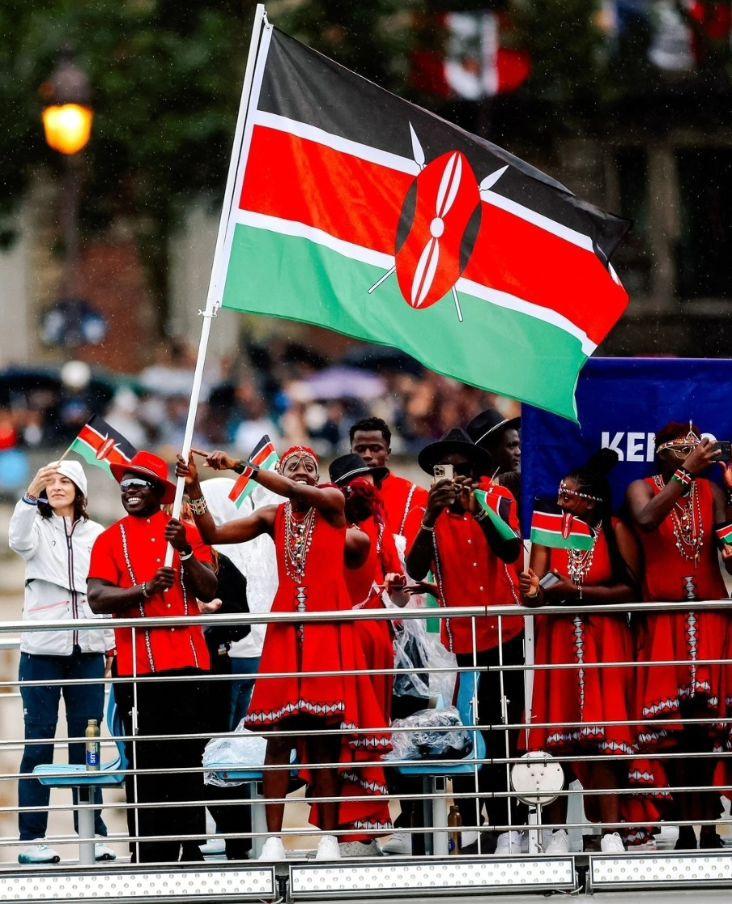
92 745
454 822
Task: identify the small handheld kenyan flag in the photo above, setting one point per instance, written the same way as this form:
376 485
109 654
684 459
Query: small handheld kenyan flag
101 445
265 457
724 534
551 526
497 508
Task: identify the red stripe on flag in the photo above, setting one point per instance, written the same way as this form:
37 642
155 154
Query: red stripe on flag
241 484
263 454
91 437
360 202
550 521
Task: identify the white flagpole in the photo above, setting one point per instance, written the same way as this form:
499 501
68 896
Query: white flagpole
212 299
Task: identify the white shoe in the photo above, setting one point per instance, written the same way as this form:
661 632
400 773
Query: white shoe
102 851
612 843
328 848
358 849
213 847
399 844
512 843
273 851
38 852
558 843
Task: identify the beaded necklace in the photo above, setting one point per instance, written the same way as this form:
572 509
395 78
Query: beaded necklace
686 520
298 540
579 561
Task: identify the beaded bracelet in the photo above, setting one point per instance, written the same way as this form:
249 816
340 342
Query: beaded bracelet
682 476
185 557
239 466
198 506
30 500
145 591
480 516
430 530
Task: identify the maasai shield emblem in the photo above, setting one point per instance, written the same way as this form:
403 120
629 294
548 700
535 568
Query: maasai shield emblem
431 259
441 216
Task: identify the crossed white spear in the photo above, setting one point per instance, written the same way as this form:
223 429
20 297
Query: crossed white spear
446 194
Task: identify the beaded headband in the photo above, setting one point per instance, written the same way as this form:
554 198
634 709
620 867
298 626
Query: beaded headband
687 444
565 491
300 452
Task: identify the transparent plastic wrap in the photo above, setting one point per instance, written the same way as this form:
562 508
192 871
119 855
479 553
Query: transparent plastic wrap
425 741
239 750
415 650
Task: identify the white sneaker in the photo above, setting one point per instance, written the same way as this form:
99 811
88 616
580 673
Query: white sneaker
213 847
558 843
358 849
102 851
38 852
273 851
328 848
510 843
612 843
399 845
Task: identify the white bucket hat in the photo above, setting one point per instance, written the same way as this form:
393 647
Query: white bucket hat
74 471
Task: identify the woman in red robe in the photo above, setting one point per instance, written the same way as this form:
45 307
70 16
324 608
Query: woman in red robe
580 702
675 513
309 532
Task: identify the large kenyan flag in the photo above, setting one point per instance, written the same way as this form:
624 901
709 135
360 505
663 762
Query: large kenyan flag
357 211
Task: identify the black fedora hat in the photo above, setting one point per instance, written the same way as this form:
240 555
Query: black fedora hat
455 440
346 467
486 426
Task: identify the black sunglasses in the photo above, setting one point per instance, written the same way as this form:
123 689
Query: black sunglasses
132 483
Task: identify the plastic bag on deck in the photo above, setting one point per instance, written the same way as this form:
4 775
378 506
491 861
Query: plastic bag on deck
415 650
239 750
425 742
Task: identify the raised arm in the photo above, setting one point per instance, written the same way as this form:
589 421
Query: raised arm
329 501
420 554
237 531
650 510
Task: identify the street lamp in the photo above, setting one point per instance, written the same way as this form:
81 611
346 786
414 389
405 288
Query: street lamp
67 114
67 120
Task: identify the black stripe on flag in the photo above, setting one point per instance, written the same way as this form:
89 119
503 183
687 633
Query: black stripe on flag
98 424
302 84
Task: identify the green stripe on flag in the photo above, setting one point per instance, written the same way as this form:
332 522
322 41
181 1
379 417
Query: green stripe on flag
89 455
295 278
505 531
556 540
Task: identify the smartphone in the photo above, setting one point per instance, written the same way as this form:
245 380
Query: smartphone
549 580
725 448
442 472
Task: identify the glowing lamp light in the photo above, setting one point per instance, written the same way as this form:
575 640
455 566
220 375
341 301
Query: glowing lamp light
67 127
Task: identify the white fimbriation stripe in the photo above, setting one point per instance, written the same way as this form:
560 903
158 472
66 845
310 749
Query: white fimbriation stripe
504 300
386 261
406 165
291 227
345 145
538 219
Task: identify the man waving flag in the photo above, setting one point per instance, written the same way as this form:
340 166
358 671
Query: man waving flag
357 211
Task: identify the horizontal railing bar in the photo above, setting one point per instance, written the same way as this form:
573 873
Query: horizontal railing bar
108 740
426 761
439 612
633 791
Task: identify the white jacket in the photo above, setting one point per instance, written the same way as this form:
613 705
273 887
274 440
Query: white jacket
57 563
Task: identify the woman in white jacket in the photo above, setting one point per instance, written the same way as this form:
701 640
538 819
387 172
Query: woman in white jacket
52 532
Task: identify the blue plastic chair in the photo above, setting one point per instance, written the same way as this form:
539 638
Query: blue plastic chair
76 775
434 774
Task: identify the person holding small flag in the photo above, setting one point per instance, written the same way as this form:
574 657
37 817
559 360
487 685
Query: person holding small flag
310 532
580 702
128 579
467 546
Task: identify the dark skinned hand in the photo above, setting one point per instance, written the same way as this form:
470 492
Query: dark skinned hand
218 460
565 589
442 495
175 534
701 457
189 471
163 580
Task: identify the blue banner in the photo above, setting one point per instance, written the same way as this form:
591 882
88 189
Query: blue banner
621 402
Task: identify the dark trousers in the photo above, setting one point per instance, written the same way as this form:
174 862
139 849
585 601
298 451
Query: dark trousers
233 817
165 708
40 714
494 778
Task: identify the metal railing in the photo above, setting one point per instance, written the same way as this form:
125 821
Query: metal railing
432 826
